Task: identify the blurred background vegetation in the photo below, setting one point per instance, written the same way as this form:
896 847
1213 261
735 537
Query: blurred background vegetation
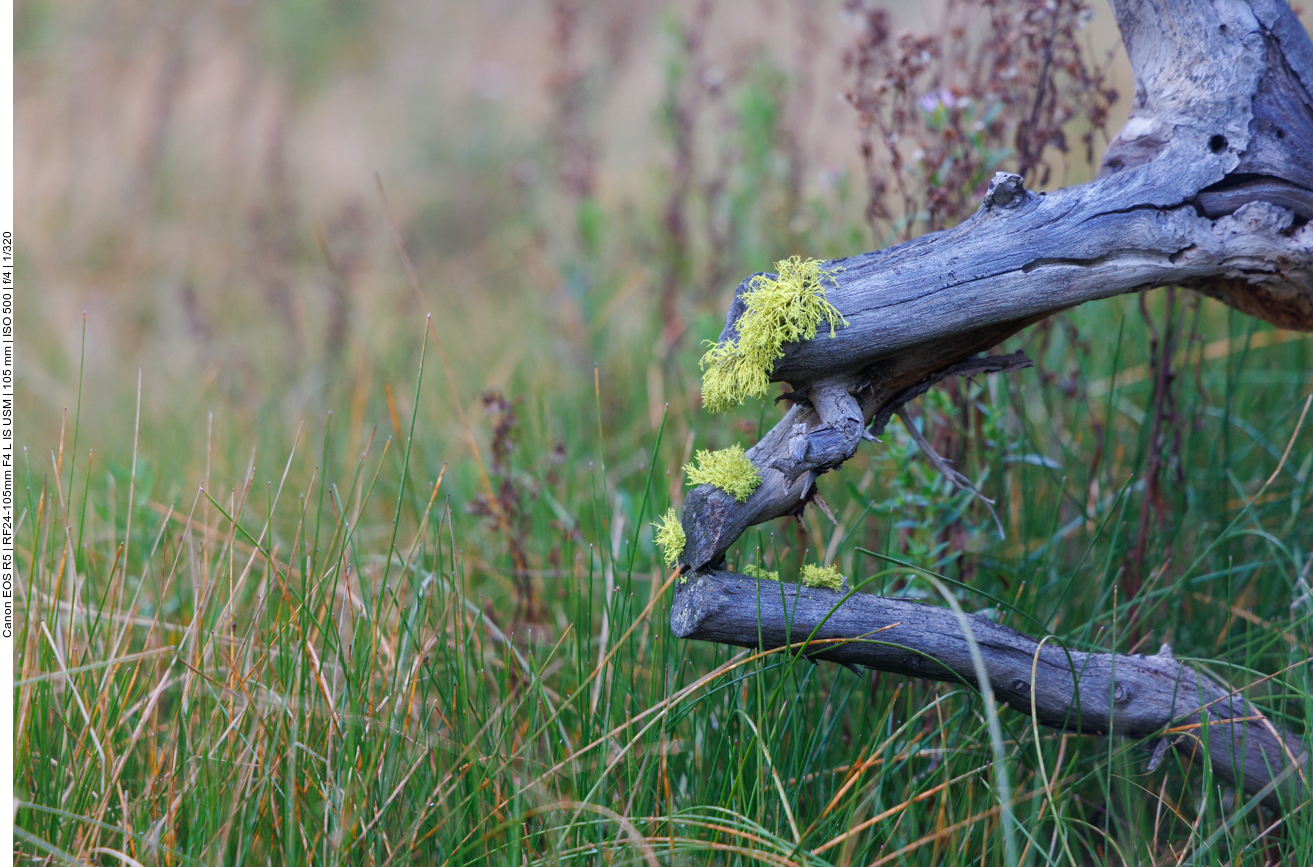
244 225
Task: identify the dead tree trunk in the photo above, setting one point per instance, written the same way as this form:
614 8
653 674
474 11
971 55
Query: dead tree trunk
1209 186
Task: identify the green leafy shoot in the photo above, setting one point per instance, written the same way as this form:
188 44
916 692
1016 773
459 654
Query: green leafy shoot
785 309
728 469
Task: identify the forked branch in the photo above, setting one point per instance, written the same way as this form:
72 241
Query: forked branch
1209 186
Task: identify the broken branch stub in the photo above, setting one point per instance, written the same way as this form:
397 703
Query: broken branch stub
1209 186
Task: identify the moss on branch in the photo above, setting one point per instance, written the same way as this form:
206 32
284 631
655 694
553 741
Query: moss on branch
728 469
783 309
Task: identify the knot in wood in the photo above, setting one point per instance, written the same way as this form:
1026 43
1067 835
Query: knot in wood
1006 190
1121 693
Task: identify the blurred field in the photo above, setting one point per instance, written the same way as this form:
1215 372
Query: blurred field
291 597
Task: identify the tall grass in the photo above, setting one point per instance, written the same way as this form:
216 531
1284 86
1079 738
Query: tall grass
299 594
301 662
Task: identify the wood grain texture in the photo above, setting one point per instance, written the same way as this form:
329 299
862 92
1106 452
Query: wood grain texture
1134 696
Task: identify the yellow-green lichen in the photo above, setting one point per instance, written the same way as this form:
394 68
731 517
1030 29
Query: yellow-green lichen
822 576
755 571
670 536
784 309
728 469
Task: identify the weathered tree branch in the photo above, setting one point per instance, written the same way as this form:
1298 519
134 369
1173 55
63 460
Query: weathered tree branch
1089 693
1209 186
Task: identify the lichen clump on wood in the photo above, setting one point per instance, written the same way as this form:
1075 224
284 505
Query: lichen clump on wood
822 576
728 469
784 309
758 572
670 536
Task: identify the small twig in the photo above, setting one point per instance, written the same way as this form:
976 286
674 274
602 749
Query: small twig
970 367
946 468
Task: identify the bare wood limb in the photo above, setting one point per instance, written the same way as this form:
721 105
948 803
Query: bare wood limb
1145 697
1208 186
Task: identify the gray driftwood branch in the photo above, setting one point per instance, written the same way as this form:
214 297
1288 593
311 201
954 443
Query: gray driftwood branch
1209 186
1089 693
